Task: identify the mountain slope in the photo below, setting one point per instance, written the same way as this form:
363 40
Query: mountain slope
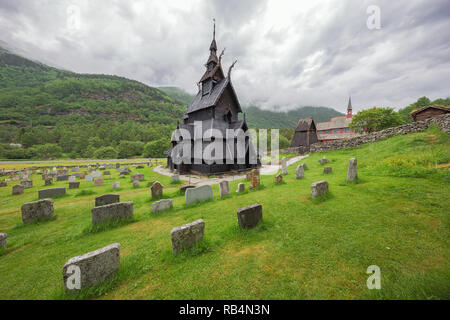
31 91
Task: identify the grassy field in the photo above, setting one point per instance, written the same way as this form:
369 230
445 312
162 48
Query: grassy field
396 217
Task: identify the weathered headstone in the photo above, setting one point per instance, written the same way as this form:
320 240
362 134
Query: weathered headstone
102 168
327 170
89 178
319 188
74 185
162 205
105 199
72 179
37 210
241 188
300 172
106 173
116 185
254 178
279 178
187 236
3 239
157 190
26 184
202 193
117 165
135 184
185 187
175 178
138 177
250 216
3 184
98 182
91 268
96 174
284 166
112 212
76 169
50 193
352 173
323 161
62 178
224 188
48 181
17 189
82 175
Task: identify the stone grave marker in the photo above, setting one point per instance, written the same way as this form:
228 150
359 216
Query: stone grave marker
187 236
112 212
98 182
162 205
17 189
224 188
319 188
300 172
202 193
284 166
250 216
50 193
74 185
352 173
327 170
105 199
241 188
37 210
157 190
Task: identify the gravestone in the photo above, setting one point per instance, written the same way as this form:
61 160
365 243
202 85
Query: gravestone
162 205
107 199
37 210
106 173
352 173
175 178
284 166
254 178
135 184
327 170
116 185
224 188
82 175
98 182
17 189
279 178
48 181
89 178
140 166
74 185
50 193
76 169
185 187
93 267
3 184
27 184
117 165
323 161
157 190
187 236
250 216
319 188
138 177
241 188
72 179
62 178
202 193
96 174
102 168
300 172
112 212
3 239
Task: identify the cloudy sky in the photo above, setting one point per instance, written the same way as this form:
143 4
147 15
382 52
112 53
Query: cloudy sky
290 53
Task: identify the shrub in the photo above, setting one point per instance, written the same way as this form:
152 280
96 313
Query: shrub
156 149
106 153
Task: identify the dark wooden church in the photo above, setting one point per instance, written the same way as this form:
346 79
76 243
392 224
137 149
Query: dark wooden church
305 134
217 106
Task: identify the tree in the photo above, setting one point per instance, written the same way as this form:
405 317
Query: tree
106 153
420 103
375 119
130 148
46 151
156 149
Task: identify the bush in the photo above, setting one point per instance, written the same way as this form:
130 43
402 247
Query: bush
156 149
129 149
46 151
106 153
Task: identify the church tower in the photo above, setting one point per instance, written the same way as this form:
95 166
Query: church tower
349 108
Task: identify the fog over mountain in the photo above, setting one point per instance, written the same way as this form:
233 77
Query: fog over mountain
290 53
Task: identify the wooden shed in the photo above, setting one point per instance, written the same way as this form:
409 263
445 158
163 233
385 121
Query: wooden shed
429 112
305 134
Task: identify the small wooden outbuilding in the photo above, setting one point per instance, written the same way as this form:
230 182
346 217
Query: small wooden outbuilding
429 112
305 134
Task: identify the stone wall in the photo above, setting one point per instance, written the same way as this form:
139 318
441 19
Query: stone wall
442 121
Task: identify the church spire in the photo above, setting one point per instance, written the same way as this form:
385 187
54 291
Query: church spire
350 108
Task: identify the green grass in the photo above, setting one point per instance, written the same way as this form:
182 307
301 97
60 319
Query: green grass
396 216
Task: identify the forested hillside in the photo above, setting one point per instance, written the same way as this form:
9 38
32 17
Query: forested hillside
77 114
